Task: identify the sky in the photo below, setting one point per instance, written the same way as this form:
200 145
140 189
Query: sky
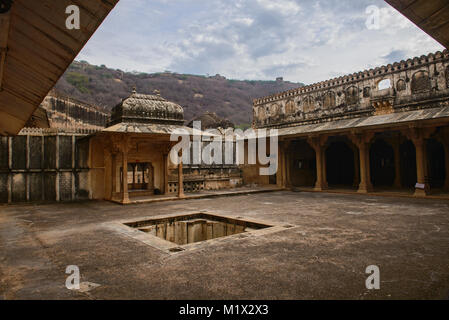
300 40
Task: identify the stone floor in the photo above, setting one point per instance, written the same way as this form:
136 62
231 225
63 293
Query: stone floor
334 238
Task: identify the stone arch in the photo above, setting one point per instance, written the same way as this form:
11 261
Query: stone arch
408 164
302 164
366 92
382 164
420 82
352 95
329 100
401 85
436 163
384 84
308 104
340 164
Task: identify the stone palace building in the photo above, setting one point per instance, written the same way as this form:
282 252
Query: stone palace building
384 129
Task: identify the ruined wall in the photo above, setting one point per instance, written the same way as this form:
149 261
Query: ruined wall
43 165
416 83
67 113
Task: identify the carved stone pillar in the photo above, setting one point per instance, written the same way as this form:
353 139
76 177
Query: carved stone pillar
365 174
165 163
418 136
125 194
282 164
285 170
362 141
113 175
422 186
317 143
180 178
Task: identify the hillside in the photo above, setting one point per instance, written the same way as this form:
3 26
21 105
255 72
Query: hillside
231 99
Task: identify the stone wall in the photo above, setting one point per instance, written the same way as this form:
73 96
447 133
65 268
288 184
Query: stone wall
413 84
43 165
67 113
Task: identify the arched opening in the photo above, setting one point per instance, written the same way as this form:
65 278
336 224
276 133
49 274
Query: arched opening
302 164
340 164
420 82
308 104
290 107
408 165
329 100
436 164
140 176
382 164
384 84
352 95
366 92
401 85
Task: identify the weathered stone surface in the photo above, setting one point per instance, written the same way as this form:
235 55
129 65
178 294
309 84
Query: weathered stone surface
181 232
4 188
82 185
65 152
416 80
4 152
142 108
50 186
36 183
67 113
36 152
18 190
19 152
49 152
65 186
82 152
324 256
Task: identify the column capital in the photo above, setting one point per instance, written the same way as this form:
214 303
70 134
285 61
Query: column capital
317 142
417 134
359 138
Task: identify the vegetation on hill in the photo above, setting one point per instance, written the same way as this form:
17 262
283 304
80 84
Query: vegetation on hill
229 99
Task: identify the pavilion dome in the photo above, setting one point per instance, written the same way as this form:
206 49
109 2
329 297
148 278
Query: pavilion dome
143 108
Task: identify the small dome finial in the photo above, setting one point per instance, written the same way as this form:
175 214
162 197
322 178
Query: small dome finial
157 92
134 90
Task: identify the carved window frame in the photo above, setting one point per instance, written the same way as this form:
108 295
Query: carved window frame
427 87
398 87
333 97
352 99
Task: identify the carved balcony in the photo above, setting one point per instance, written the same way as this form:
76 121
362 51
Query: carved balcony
383 101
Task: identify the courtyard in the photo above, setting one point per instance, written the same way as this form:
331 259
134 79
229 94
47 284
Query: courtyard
321 250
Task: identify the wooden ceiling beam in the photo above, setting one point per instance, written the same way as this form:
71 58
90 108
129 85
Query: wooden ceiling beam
40 49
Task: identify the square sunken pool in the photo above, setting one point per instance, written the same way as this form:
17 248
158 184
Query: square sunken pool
196 227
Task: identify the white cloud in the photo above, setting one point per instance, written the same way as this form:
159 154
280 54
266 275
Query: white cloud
284 7
305 41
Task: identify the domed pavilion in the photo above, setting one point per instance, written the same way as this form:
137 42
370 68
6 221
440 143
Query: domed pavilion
138 139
